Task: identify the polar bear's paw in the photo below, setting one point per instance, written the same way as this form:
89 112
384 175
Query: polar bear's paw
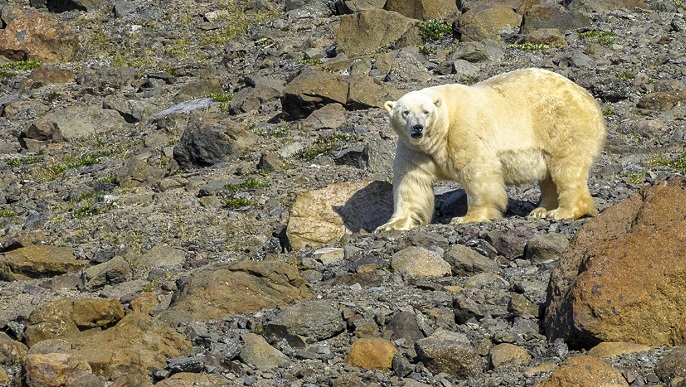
539 212
398 224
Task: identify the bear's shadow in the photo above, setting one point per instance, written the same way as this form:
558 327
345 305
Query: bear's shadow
372 206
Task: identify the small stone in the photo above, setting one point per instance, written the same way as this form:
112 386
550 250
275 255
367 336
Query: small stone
329 255
466 261
522 307
270 162
186 364
418 261
372 353
545 248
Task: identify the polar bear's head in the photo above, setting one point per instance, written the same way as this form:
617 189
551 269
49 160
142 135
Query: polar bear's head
414 115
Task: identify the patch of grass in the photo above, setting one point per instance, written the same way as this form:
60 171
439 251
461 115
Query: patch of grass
529 46
109 179
680 4
637 177
22 65
71 163
248 185
220 97
604 38
427 50
324 144
5 213
311 62
470 79
236 201
625 75
678 163
278 132
85 211
434 29
19 161
608 112
235 22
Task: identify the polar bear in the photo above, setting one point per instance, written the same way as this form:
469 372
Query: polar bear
529 125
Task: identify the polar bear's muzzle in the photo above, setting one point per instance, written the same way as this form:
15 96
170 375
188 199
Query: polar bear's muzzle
417 131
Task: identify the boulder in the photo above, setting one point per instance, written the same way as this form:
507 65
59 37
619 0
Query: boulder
80 122
623 278
550 14
508 355
372 353
613 348
584 371
368 30
11 349
257 352
418 261
325 215
466 261
38 261
311 90
308 321
33 35
423 9
210 140
249 286
60 369
488 21
450 352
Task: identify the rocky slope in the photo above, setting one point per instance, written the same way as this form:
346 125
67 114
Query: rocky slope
187 191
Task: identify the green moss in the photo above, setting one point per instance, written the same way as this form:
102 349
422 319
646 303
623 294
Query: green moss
608 112
434 29
311 62
248 185
236 201
220 97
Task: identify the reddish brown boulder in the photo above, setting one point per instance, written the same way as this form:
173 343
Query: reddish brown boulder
624 276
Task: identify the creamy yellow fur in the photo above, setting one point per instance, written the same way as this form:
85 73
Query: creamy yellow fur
524 126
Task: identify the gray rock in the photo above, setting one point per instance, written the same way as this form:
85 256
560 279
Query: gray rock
545 248
259 353
114 271
186 364
449 352
312 320
208 142
418 261
466 261
80 122
511 243
403 325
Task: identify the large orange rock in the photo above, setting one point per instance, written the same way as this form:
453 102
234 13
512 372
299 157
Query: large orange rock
584 371
624 276
32 35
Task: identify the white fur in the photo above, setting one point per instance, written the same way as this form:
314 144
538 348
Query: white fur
524 126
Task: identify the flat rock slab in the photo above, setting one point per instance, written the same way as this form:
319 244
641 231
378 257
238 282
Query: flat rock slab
39 261
243 287
325 215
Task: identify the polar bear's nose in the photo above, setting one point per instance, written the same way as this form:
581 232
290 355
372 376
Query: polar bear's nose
418 128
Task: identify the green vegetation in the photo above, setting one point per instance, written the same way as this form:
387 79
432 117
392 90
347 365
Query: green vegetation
678 163
311 62
604 38
248 185
680 4
85 211
5 213
434 29
427 50
608 112
278 132
220 97
324 144
234 199
22 65
73 163
19 161
529 46
625 75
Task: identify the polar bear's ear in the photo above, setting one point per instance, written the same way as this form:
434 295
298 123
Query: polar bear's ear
389 105
438 101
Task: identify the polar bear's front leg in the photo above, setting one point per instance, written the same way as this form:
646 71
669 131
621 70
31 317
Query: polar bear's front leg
486 195
413 195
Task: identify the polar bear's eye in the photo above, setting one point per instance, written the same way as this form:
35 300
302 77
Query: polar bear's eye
426 112
406 113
